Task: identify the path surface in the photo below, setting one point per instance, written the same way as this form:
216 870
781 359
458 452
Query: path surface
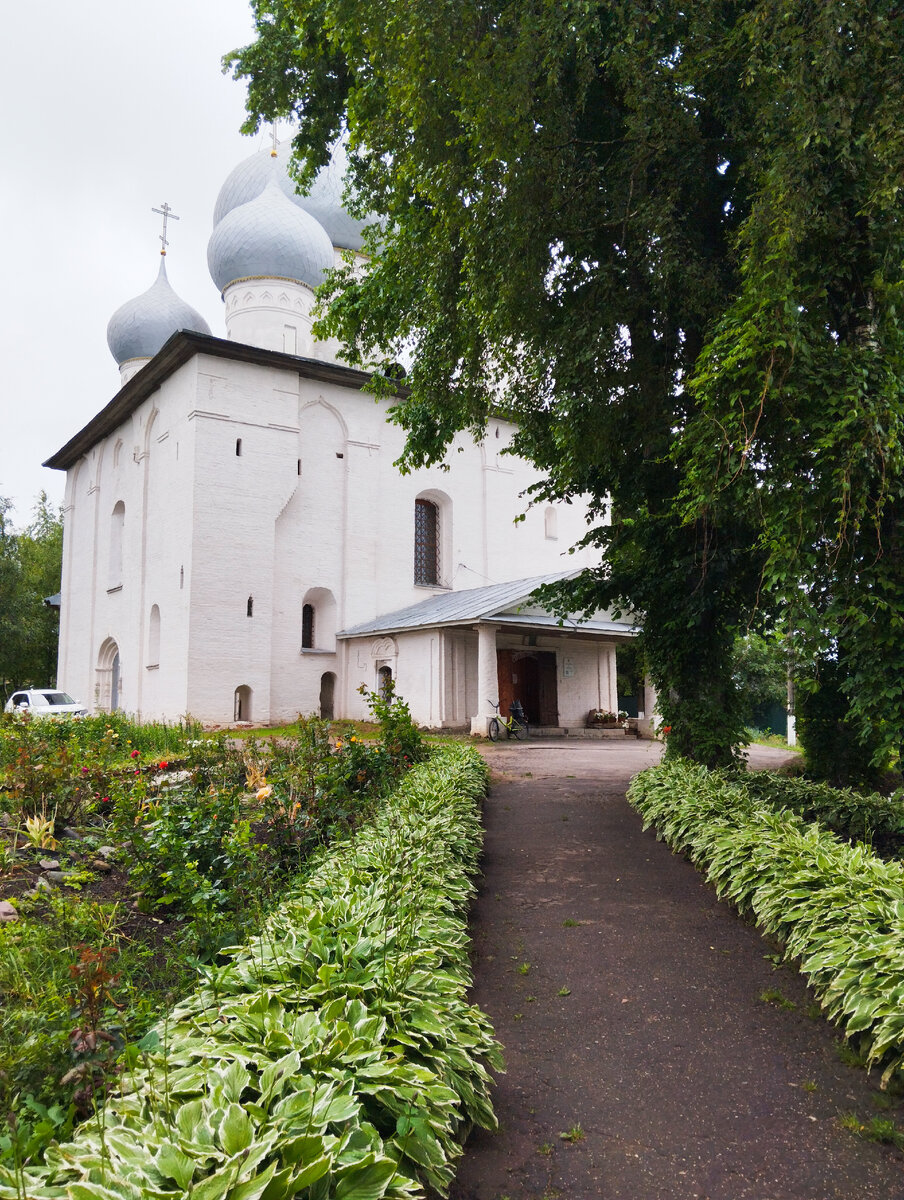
685 1083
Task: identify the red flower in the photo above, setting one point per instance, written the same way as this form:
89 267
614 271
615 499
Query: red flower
135 753
666 729
162 765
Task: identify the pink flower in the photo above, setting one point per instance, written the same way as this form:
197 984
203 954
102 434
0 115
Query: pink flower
84 770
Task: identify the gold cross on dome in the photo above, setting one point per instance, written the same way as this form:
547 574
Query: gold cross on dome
274 138
168 215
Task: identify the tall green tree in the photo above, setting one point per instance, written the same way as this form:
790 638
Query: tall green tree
800 389
30 569
575 204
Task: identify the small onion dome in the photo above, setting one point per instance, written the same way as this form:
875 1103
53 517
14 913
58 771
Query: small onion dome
250 177
269 238
140 327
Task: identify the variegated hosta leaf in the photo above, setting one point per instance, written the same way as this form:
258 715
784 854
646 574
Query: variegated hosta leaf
838 907
347 1014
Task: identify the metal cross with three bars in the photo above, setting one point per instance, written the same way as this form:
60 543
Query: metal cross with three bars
168 215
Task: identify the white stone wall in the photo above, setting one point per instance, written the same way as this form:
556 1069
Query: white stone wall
312 504
145 466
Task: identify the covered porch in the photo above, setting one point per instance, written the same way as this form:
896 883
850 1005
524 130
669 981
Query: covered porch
457 655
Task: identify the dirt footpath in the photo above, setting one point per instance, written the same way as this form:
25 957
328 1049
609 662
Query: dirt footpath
631 1006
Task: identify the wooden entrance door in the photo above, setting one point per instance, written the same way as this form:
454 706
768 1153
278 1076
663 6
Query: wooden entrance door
529 676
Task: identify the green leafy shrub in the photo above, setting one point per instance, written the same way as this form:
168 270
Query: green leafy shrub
194 851
333 1056
837 748
854 816
49 990
838 908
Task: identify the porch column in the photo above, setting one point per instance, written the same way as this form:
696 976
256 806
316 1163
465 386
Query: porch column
651 721
487 679
608 678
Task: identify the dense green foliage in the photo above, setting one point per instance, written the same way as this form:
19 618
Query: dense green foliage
667 239
854 816
30 567
203 838
335 1054
838 747
838 909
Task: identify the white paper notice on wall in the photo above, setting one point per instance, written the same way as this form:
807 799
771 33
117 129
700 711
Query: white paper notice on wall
568 668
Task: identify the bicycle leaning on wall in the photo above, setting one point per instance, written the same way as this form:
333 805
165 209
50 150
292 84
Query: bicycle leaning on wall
515 725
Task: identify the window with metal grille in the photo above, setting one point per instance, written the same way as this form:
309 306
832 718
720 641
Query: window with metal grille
307 627
426 542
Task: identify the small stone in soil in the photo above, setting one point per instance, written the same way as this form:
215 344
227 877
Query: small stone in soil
106 851
49 864
57 876
7 912
98 864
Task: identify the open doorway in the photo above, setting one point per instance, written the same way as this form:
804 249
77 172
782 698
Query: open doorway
241 704
327 695
529 676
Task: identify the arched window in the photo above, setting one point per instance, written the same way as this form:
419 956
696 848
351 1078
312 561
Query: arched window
117 527
318 620
307 627
154 637
384 681
426 542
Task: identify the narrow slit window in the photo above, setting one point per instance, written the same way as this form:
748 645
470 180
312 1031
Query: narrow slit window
307 627
250 608
238 447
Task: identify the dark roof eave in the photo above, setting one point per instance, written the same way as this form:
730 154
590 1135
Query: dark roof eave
177 351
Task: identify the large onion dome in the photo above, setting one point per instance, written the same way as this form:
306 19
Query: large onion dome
250 178
269 238
139 328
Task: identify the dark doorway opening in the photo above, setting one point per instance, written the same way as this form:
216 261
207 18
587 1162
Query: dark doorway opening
327 693
529 676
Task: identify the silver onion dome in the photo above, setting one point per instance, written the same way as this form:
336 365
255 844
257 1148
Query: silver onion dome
324 203
139 328
270 238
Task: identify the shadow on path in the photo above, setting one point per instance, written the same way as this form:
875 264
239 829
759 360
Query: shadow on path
628 1002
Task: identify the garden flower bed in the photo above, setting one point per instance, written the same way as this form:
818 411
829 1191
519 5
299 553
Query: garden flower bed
131 854
837 907
332 1055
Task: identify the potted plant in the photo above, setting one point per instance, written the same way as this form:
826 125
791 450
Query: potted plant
605 719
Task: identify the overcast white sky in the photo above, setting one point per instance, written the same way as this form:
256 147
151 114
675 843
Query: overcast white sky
110 107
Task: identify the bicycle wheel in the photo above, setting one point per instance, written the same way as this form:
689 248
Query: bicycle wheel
521 731
493 730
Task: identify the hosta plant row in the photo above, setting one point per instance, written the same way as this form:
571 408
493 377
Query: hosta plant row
335 1054
838 908
854 816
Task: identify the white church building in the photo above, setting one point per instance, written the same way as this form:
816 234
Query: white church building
239 546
